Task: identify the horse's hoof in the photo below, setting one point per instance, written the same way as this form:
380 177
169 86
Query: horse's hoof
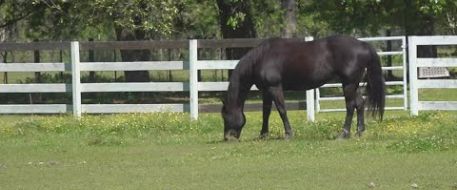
231 139
345 135
263 135
289 136
359 133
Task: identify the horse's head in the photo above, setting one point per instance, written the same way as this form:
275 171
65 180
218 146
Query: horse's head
234 121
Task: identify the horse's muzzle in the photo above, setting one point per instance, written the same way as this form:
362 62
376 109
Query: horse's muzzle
231 135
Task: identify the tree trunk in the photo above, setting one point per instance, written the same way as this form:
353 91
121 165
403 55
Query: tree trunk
36 59
91 59
123 34
427 29
244 29
7 33
38 79
5 75
290 19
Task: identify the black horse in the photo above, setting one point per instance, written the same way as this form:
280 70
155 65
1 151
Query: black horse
288 64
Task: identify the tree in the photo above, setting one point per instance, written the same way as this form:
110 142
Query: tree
12 11
290 19
125 20
347 16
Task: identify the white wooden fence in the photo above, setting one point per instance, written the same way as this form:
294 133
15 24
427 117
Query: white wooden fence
194 86
77 88
416 83
34 88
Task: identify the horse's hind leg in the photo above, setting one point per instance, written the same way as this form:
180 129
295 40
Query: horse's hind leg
360 103
267 101
278 98
350 96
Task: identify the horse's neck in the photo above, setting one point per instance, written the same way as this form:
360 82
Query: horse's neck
237 92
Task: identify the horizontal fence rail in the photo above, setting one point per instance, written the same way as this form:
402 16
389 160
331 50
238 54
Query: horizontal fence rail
31 109
229 43
133 66
35 88
139 108
135 87
34 67
12 46
126 45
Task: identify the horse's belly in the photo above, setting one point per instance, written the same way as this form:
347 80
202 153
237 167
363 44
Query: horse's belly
303 82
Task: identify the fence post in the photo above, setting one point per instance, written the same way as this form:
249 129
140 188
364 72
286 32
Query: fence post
310 104
76 80
414 97
193 79
310 110
317 103
405 74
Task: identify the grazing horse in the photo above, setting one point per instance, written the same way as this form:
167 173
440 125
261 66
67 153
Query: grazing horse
289 64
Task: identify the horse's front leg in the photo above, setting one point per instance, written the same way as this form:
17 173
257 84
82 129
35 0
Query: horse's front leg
267 101
278 98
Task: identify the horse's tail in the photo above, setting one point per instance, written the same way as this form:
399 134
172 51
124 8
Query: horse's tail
376 86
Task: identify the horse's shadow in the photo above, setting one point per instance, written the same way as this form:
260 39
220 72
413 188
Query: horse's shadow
337 136
255 139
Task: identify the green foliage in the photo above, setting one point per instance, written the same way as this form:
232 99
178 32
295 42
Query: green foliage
196 19
268 17
99 19
369 17
102 19
136 14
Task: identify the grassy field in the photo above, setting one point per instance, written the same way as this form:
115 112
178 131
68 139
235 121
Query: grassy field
167 151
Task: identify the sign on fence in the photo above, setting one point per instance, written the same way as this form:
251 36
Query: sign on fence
433 72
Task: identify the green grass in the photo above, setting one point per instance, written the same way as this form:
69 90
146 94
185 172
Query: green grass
167 151
438 94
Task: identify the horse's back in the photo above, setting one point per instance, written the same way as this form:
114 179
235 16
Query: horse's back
350 55
305 65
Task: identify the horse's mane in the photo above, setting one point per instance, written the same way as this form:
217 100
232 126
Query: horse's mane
238 88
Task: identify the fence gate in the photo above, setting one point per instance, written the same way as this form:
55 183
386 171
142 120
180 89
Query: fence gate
399 67
416 83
